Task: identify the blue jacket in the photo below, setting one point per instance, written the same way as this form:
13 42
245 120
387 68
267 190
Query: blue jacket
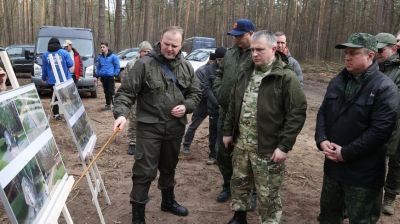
107 66
47 72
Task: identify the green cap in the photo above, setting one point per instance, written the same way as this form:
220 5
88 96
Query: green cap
385 39
360 40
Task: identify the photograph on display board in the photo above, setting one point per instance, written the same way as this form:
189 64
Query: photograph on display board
26 193
69 97
50 163
13 139
31 114
82 131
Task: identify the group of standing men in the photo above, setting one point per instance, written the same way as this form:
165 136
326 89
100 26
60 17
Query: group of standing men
262 108
165 89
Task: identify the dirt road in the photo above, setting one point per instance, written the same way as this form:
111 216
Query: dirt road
197 183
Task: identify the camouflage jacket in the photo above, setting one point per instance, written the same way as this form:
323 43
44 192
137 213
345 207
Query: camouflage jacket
227 73
281 107
155 92
391 68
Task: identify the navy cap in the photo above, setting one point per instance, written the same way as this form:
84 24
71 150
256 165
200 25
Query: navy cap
241 26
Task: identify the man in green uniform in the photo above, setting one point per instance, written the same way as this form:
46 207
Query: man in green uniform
236 57
165 88
266 112
389 64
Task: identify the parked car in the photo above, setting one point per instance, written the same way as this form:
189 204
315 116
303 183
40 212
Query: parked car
199 57
126 56
20 64
194 43
83 42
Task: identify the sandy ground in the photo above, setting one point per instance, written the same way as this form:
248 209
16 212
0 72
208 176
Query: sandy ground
197 184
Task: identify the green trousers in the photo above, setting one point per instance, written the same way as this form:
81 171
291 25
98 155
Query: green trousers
362 205
157 148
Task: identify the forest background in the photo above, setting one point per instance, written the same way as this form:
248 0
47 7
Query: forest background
313 27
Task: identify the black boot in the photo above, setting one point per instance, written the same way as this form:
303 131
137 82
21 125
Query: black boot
131 149
138 213
224 195
168 203
239 218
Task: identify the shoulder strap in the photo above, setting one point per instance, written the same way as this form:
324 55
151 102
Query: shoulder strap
171 75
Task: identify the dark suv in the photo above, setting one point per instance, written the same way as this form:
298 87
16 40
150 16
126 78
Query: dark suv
20 64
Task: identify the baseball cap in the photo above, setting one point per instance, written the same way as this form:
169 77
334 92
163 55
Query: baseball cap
241 26
360 40
385 39
67 42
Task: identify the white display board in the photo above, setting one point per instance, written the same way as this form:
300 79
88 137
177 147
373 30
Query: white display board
76 117
31 167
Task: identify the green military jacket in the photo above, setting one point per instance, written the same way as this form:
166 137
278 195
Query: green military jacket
227 73
391 68
281 107
155 93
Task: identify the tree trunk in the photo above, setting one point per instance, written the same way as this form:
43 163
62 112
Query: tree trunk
148 19
187 16
118 25
101 29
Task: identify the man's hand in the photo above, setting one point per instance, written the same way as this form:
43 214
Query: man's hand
178 111
278 156
119 123
227 140
338 155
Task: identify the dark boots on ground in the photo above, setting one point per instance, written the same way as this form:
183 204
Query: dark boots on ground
224 195
138 213
168 203
240 217
131 149
388 203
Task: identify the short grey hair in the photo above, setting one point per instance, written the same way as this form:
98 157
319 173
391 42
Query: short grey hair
269 37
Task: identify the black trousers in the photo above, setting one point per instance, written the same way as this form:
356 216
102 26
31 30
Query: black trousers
109 89
157 148
55 106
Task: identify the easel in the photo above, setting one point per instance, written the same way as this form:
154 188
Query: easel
93 177
52 210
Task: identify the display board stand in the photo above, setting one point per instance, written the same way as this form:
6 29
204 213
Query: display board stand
56 205
93 177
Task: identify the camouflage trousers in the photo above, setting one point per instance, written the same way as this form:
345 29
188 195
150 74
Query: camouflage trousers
132 126
361 205
250 169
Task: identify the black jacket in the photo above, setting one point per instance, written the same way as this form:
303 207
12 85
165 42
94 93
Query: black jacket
361 125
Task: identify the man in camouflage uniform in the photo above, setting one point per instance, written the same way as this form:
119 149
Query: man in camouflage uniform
166 89
266 112
355 120
389 64
236 57
144 48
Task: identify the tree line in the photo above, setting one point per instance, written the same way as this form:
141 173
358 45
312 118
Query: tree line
313 27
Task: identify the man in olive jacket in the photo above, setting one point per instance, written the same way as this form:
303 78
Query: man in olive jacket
354 122
227 73
266 112
165 88
389 64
